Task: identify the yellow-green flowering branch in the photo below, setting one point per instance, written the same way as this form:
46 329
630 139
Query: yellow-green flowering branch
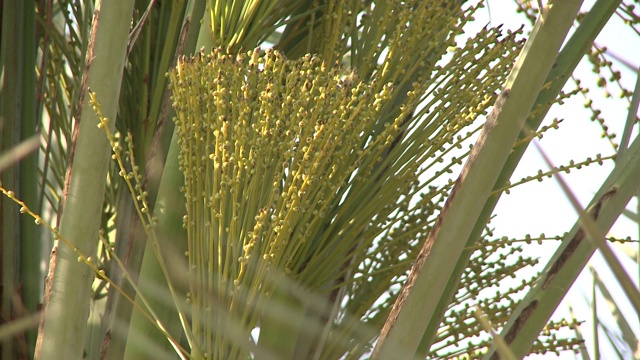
297 169
283 137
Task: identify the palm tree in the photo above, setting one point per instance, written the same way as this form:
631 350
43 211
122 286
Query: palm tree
282 179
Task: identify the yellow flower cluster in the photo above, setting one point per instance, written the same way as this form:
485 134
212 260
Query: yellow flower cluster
266 144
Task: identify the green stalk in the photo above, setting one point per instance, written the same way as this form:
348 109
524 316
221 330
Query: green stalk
594 319
626 329
168 209
564 66
130 237
567 263
65 315
583 350
166 59
30 244
20 258
10 112
144 338
427 283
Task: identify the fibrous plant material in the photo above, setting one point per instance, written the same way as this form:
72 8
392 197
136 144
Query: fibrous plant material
266 146
310 185
328 301
286 174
